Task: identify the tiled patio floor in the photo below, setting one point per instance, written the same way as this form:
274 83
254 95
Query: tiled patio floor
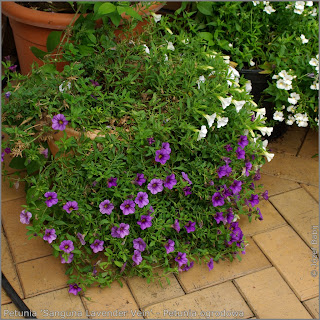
273 280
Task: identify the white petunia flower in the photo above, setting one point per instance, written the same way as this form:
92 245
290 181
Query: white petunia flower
304 39
185 41
301 123
265 130
248 86
156 17
147 50
64 86
210 119
268 9
278 115
225 101
202 132
165 57
230 45
268 155
275 76
170 46
285 76
255 2
314 12
299 5
169 30
309 3
315 86
226 59
314 62
282 84
290 120
252 63
238 104
202 79
294 97
291 109
261 112
221 121
264 144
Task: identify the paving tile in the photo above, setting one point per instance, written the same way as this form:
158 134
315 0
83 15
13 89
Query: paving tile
276 185
42 275
200 277
9 270
211 303
115 302
312 306
151 293
292 258
22 249
10 311
271 220
298 169
314 191
300 210
269 296
310 146
290 142
11 193
63 305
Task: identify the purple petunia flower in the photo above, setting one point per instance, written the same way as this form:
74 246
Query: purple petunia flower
228 147
59 122
240 153
217 199
150 210
123 267
2 156
210 264
70 258
114 232
52 198
7 94
253 117
123 230
257 176
248 167
190 226
7 58
236 186
176 225
137 257
187 267
7 150
142 199
106 207
74 288
243 141
13 68
94 83
25 217
128 207
265 195
226 160
140 180
170 181
169 246
70 205
45 153
151 141
50 235
219 217
225 192
112 182
162 156
254 200
181 258
187 190
224 171
97 246
81 238
185 177
260 215
166 147
145 222
211 183
230 215
139 244
66 246
155 186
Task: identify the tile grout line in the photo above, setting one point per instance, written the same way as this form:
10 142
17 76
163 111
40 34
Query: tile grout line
82 298
302 143
302 186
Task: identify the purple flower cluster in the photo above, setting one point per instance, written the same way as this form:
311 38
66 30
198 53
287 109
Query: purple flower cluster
120 232
112 182
224 171
236 234
140 180
169 246
52 198
145 222
70 206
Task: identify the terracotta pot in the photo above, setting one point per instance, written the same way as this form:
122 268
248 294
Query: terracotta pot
32 27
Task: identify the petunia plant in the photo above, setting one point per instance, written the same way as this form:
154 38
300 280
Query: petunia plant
159 148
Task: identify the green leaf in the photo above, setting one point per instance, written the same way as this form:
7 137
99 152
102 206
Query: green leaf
118 264
92 37
205 8
53 40
77 251
85 50
106 8
132 13
38 53
17 163
60 223
206 35
33 166
115 18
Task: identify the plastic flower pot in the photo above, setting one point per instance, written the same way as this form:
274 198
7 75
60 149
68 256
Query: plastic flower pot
259 82
31 28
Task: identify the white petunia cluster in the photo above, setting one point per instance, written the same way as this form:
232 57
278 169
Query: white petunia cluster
315 63
301 119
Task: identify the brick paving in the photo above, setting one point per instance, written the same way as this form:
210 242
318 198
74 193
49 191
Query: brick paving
273 280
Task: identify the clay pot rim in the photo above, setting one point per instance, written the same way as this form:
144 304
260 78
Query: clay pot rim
53 20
